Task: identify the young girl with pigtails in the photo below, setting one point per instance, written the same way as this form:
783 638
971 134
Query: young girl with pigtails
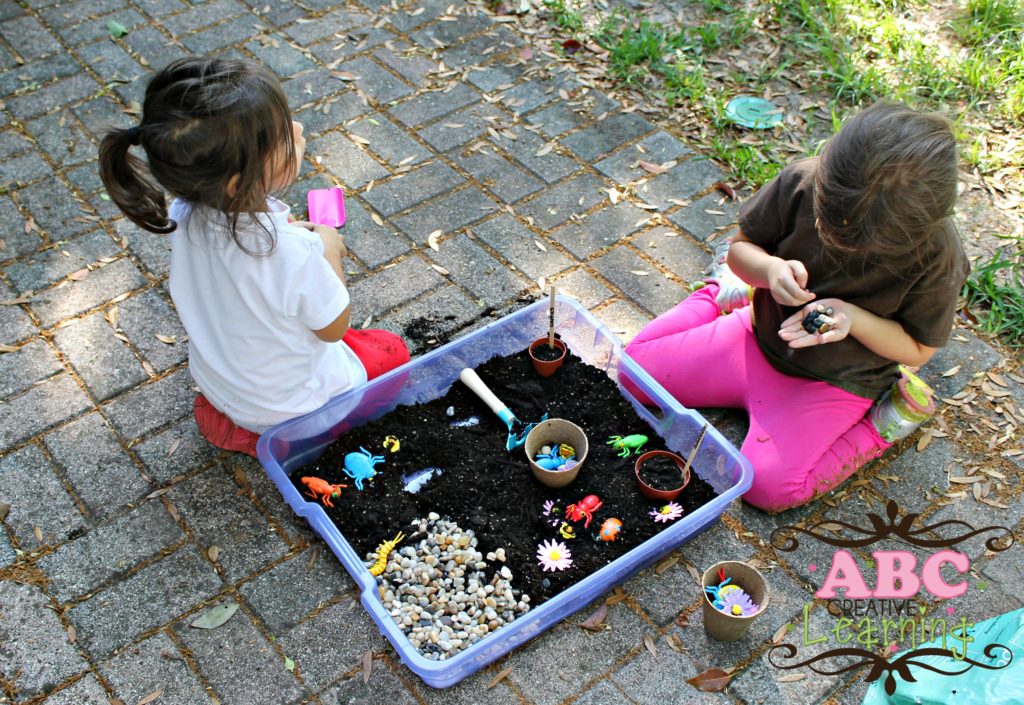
855 269
263 299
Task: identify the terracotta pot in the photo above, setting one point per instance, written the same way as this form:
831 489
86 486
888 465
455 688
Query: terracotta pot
652 492
546 368
730 627
551 433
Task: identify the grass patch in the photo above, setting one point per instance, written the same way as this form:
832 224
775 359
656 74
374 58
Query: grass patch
995 295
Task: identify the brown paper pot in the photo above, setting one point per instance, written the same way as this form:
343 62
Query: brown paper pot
729 627
652 492
550 433
546 368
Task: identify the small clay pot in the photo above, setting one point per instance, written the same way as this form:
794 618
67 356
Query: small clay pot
652 492
730 627
551 433
546 368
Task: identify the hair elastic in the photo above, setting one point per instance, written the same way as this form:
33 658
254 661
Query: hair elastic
133 135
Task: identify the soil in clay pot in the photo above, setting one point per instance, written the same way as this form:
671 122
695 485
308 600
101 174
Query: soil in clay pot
661 473
547 353
492 491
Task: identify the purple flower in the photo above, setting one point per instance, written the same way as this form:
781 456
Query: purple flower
736 602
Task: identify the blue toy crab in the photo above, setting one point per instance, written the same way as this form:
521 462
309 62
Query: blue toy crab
359 466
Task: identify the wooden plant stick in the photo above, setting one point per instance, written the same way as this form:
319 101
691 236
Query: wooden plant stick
551 319
696 447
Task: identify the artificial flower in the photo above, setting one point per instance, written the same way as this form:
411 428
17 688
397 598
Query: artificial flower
736 602
554 556
670 512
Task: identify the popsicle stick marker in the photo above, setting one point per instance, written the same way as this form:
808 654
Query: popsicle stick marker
551 318
548 353
693 453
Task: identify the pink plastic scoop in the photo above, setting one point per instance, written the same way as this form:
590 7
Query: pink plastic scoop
327 207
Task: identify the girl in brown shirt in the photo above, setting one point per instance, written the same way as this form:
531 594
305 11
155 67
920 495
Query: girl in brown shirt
862 230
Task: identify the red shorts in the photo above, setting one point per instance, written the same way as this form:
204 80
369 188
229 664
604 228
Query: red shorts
380 351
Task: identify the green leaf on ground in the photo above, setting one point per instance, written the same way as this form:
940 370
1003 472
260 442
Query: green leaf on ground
116 29
215 616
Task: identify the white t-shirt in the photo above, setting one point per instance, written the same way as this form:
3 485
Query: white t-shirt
250 319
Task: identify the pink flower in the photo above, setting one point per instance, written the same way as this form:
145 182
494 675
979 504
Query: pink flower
554 556
670 512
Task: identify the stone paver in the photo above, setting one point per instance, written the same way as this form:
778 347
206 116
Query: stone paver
434 116
36 655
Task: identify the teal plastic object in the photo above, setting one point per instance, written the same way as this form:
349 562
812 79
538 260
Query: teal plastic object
286 447
755 113
976 686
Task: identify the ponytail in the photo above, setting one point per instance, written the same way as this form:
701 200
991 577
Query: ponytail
128 183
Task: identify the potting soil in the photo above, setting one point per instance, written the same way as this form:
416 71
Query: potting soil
481 486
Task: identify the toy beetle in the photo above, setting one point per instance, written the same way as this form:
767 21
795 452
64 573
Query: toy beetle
610 529
584 508
359 466
633 442
322 490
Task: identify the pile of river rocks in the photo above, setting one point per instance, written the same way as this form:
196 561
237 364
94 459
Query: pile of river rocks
443 593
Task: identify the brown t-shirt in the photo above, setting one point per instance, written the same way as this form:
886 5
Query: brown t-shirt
919 293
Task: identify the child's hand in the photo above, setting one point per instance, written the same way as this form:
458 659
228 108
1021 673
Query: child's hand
787 280
333 241
792 329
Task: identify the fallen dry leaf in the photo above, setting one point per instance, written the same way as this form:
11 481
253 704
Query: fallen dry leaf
358 140
665 563
712 680
952 371
214 553
726 189
39 534
112 315
652 168
540 245
377 219
649 643
168 339
498 678
545 149
5 509
173 447
780 634
8 348
673 642
79 275
366 323
441 270
215 616
432 240
367 665
595 621
791 678
151 697
682 620
72 634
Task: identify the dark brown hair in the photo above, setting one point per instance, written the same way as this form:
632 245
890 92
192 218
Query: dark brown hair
203 122
885 180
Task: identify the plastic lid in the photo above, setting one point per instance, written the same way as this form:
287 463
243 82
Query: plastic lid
756 113
915 391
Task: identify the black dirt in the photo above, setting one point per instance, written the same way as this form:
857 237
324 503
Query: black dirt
547 353
661 473
492 491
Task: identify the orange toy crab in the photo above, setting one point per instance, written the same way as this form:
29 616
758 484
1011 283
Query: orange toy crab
322 490
610 529
584 508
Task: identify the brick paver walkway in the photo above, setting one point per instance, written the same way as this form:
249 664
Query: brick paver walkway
434 118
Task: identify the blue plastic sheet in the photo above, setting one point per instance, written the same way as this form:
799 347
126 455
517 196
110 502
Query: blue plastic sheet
975 685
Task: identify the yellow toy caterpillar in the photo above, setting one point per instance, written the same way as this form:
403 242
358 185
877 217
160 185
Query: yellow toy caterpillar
382 554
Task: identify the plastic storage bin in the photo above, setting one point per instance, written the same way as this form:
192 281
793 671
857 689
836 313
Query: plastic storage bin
290 445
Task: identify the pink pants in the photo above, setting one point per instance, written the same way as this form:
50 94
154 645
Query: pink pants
805 436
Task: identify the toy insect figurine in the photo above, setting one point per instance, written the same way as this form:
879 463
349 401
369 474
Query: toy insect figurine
566 531
322 490
382 554
584 508
633 443
819 320
392 444
359 466
561 457
610 529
